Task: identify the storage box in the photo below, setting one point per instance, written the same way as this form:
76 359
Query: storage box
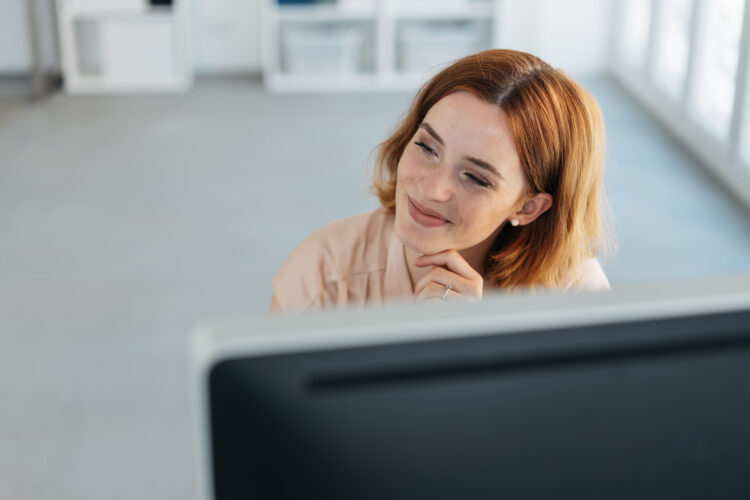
322 49
425 46
105 6
433 5
138 51
365 6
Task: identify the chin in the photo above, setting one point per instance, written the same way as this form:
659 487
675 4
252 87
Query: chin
415 239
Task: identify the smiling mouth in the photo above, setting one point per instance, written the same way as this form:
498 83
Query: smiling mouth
424 216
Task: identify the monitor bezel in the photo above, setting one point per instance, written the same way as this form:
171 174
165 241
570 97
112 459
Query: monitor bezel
404 323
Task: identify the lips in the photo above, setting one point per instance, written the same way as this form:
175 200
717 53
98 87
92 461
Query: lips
425 216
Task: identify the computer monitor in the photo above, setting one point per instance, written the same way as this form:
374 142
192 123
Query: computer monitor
643 392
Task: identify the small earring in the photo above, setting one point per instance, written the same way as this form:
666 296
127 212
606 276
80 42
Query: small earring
514 222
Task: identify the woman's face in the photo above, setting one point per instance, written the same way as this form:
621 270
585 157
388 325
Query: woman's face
459 178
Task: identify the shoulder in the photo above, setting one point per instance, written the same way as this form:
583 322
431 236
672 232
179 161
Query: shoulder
323 261
592 277
349 245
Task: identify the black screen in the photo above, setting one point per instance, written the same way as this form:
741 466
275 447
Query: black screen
650 409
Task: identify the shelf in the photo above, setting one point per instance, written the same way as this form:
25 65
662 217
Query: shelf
99 8
333 12
124 15
459 14
94 85
124 46
320 13
383 50
279 82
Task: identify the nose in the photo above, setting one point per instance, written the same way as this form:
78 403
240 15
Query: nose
436 185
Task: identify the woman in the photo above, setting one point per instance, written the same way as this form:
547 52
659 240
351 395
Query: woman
493 180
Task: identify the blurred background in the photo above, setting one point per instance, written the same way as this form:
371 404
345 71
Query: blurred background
159 160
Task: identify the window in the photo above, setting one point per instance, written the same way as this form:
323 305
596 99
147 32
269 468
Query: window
687 61
717 64
673 46
634 39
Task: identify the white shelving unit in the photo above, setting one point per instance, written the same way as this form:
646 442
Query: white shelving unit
388 43
124 46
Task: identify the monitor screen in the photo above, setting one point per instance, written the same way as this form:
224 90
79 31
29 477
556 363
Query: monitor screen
632 408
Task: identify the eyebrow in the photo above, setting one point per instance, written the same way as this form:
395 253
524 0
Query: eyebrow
432 132
476 161
483 164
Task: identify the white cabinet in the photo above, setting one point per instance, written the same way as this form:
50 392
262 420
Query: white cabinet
124 46
370 44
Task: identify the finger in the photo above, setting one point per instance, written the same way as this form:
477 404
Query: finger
443 277
431 291
452 296
436 293
451 260
434 300
468 290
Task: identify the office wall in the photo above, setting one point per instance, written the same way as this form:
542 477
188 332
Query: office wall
14 50
573 34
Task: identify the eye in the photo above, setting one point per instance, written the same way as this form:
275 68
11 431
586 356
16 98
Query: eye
427 149
477 180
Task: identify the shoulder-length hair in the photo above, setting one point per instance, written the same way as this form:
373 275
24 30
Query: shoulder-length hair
559 135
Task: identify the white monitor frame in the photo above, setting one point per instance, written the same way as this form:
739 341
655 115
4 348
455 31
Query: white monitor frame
500 314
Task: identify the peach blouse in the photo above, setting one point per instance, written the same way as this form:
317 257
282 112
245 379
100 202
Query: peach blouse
357 261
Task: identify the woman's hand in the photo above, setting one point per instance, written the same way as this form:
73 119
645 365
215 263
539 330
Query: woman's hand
450 272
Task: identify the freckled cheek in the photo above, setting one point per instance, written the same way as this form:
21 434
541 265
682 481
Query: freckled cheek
467 213
475 219
407 173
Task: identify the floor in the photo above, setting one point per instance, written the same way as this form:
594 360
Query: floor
127 221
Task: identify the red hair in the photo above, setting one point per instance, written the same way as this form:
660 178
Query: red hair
559 135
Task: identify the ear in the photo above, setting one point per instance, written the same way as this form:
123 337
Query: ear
533 207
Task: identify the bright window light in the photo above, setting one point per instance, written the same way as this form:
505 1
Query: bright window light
717 64
635 31
744 145
673 46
